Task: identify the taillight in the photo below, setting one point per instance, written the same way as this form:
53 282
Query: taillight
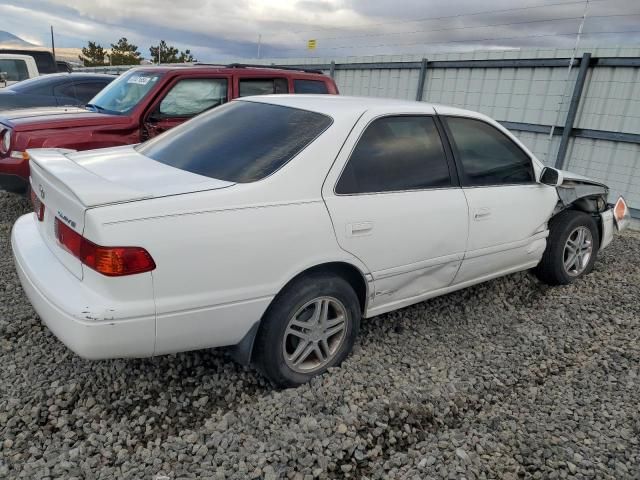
110 261
38 206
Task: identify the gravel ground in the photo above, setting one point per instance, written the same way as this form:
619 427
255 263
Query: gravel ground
510 379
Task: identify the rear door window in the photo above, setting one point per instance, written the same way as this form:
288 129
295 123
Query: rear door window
81 91
263 86
238 142
192 96
396 154
310 86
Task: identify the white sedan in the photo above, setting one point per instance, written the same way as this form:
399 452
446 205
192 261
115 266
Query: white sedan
273 224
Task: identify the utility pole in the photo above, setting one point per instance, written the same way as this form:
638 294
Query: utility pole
259 44
53 45
573 57
159 47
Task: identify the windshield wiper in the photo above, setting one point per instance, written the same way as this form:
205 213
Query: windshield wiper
96 108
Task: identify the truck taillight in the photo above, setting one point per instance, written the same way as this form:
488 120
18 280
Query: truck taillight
110 261
38 206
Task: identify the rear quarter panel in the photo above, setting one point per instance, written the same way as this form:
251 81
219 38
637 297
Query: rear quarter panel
218 268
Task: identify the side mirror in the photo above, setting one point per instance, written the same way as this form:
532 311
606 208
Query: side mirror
3 78
551 176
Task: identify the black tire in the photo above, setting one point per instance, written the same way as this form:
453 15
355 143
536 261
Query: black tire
269 356
551 269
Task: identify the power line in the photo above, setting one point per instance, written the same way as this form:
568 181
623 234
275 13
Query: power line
460 15
472 40
472 27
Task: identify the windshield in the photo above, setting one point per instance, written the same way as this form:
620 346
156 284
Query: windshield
125 92
238 142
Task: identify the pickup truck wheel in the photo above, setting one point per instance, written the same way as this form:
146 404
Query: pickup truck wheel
310 326
572 248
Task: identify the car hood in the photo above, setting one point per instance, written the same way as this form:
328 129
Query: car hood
24 119
575 186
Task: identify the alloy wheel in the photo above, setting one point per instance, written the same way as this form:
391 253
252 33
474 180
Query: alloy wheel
577 251
314 334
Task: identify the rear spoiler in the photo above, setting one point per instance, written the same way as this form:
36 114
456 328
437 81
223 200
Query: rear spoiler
88 188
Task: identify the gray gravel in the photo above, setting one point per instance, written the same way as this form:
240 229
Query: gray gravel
510 379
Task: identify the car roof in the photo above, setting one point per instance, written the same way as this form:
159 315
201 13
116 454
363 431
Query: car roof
17 56
335 105
232 68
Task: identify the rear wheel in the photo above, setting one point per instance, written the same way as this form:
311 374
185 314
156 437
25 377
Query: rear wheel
572 248
310 327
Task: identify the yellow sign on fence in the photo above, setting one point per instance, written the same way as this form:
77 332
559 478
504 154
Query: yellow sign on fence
311 44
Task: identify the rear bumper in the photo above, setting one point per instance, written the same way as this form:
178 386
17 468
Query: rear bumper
61 300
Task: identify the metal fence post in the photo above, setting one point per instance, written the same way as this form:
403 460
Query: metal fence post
573 110
421 80
332 69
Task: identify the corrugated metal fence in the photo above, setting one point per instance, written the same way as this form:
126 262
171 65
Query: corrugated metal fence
585 119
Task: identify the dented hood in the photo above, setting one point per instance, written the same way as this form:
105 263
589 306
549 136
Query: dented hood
576 186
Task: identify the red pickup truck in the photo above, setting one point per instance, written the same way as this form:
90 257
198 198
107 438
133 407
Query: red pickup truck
140 104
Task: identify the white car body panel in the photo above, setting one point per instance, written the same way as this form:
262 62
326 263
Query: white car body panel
491 246
223 251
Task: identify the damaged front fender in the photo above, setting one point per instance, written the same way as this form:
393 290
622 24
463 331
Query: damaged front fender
582 192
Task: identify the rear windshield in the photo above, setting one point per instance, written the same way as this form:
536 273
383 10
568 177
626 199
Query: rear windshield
26 85
238 142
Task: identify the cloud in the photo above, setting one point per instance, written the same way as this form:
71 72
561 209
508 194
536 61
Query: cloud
215 30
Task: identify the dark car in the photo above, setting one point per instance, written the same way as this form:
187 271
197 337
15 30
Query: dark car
58 89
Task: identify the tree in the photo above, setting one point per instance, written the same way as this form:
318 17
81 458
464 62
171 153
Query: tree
186 56
92 55
124 53
170 54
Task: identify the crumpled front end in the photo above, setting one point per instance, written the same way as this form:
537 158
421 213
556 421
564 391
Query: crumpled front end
591 196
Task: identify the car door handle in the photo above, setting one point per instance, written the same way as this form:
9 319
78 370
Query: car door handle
360 228
481 214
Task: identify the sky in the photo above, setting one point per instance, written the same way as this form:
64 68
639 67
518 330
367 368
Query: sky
216 30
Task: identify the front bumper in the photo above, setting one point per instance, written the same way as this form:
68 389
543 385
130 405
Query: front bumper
607 227
61 300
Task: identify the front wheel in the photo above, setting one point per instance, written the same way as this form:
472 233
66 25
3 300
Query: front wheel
310 327
571 250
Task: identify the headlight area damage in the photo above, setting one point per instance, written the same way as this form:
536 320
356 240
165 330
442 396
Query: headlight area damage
590 196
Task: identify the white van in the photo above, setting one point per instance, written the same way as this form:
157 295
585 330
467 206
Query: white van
14 68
